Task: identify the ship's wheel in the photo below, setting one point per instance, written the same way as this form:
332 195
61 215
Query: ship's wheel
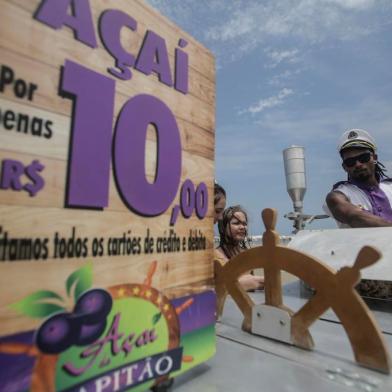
333 289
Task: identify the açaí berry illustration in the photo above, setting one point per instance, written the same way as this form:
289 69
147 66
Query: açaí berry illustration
90 333
93 306
88 321
57 333
85 325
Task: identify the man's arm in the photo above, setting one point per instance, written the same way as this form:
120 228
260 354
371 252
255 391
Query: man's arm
251 282
347 213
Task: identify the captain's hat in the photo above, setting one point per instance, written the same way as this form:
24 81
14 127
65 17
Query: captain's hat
356 138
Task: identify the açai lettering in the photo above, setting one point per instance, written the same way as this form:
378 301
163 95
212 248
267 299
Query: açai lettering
152 56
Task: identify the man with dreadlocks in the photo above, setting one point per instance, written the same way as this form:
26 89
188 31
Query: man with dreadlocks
365 199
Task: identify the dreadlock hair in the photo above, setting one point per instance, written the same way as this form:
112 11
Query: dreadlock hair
229 246
380 172
218 192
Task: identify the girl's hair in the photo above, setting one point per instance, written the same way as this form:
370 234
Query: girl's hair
218 192
226 241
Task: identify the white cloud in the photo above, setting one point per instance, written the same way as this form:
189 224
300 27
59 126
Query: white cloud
277 57
232 29
240 148
254 23
269 103
353 4
327 124
282 78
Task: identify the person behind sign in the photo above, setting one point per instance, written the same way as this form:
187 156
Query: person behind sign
365 199
233 231
219 202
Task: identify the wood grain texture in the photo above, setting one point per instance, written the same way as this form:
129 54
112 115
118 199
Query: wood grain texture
48 105
106 272
147 18
36 52
66 47
55 174
38 221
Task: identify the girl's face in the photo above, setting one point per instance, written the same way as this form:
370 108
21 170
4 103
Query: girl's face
219 208
238 227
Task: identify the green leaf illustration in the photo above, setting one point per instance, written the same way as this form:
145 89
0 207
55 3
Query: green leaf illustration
81 280
34 305
156 318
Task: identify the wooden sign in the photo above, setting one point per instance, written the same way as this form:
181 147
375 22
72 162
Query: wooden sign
106 191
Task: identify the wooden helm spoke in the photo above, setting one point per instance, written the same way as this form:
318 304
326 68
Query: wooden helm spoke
304 318
366 257
269 216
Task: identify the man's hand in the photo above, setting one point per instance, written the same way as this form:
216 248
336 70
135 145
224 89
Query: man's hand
347 213
251 282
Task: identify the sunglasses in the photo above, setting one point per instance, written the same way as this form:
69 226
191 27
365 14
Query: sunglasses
362 158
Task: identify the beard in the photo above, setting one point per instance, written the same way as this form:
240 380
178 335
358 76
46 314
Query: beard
361 175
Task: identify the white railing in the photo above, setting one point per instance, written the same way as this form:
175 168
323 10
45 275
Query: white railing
257 240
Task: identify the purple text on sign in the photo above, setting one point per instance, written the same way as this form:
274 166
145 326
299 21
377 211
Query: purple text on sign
187 198
54 13
110 26
129 146
154 48
90 148
12 172
153 56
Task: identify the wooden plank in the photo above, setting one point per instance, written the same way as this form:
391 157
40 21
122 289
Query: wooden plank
194 139
199 55
97 59
57 224
54 174
195 142
189 289
106 273
42 222
47 97
17 140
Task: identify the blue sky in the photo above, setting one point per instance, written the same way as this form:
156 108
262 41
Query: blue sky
291 72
